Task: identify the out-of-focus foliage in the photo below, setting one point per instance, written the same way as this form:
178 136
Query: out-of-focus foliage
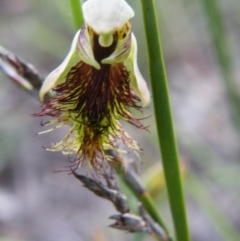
38 204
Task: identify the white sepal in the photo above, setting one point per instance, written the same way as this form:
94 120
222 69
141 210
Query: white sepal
59 74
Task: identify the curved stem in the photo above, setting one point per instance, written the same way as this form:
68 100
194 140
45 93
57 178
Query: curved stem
134 184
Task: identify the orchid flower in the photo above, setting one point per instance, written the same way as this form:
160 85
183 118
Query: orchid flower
96 84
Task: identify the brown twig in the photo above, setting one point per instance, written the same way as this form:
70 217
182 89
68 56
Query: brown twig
20 72
125 220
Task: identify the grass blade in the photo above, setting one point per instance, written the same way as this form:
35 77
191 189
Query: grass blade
164 122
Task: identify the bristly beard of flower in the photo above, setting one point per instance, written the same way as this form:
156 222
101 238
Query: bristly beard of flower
95 94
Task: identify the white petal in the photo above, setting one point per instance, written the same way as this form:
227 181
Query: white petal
137 81
58 75
106 16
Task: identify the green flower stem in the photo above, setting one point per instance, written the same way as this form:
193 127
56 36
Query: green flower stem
134 184
164 122
150 206
77 13
132 181
223 54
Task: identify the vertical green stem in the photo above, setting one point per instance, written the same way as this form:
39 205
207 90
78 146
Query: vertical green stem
77 12
164 122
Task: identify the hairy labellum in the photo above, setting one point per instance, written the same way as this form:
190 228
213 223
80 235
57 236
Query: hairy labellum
93 101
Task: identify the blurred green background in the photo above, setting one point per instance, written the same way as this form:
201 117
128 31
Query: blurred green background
38 204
